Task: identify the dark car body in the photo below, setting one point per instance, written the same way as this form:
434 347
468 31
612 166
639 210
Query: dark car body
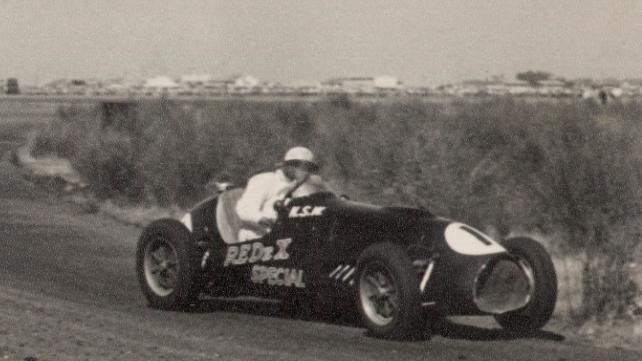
314 247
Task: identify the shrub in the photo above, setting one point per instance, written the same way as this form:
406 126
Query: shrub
566 167
65 133
108 161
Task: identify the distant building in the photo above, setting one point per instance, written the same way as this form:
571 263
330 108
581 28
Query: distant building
420 90
215 87
350 85
364 85
195 80
552 87
161 84
67 87
516 87
387 83
512 87
301 88
205 84
244 84
12 87
631 87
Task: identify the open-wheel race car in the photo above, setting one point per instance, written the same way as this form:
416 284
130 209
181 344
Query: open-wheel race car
397 267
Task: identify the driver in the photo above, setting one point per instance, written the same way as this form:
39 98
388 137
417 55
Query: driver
256 206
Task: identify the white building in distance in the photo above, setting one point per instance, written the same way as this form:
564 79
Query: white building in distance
363 85
160 83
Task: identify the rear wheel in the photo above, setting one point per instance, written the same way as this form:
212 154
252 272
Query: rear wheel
167 265
534 259
388 296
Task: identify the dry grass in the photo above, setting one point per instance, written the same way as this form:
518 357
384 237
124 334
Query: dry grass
569 169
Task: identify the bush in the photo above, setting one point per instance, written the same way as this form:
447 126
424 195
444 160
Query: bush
109 163
511 165
64 135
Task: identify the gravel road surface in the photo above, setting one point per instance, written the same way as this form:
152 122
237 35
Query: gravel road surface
68 291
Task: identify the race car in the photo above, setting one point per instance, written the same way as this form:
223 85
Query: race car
398 267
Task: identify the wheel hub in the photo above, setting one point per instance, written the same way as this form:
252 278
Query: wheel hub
161 267
378 295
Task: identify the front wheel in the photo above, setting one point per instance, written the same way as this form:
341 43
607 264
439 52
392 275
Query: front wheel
167 265
388 296
539 309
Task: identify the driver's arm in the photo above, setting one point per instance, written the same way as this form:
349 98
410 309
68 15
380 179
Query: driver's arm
314 184
251 202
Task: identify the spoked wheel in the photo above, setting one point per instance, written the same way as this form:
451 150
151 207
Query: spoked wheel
167 264
388 293
161 266
379 297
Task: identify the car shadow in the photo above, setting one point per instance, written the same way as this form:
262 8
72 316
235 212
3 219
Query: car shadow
260 307
439 327
453 330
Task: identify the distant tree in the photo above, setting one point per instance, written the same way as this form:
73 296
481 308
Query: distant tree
12 86
533 77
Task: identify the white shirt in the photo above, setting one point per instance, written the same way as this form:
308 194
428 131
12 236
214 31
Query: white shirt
262 191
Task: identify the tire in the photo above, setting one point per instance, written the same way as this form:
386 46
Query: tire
539 309
167 265
382 268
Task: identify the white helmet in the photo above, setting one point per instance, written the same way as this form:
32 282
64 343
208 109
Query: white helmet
300 155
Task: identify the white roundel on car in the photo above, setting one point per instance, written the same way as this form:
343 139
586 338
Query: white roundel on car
187 221
467 240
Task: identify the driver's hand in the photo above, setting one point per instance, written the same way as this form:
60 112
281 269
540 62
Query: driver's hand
267 222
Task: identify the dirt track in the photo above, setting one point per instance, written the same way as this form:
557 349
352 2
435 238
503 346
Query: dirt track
68 292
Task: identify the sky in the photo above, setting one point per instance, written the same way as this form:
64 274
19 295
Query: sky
422 42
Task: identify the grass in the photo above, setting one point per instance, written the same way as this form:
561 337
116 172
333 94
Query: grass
569 170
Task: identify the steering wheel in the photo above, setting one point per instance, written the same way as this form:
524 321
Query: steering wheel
281 205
